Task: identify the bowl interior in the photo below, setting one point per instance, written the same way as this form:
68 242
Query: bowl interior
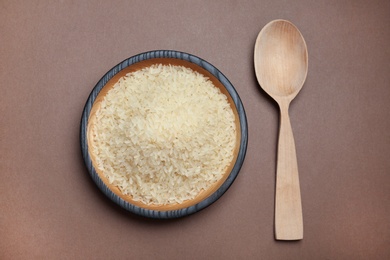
140 65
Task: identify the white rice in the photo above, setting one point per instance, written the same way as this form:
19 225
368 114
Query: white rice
163 134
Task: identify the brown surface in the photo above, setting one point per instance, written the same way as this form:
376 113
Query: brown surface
51 56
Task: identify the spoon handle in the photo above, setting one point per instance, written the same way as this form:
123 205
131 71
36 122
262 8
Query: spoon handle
288 207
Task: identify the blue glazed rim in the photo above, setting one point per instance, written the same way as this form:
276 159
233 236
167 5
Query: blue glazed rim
170 214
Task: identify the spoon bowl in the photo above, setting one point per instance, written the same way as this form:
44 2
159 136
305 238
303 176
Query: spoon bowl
281 59
281 65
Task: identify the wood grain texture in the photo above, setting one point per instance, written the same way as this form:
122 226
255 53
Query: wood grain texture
281 64
135 63
288 206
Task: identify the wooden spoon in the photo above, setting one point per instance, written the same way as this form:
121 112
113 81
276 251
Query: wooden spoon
281 64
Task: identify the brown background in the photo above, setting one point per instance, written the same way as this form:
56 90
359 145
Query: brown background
52 55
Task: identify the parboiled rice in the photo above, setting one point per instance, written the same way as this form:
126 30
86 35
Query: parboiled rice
163 134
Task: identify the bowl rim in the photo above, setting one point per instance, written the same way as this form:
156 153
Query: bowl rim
169 214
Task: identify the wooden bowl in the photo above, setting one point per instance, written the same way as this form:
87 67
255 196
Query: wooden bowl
204 198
